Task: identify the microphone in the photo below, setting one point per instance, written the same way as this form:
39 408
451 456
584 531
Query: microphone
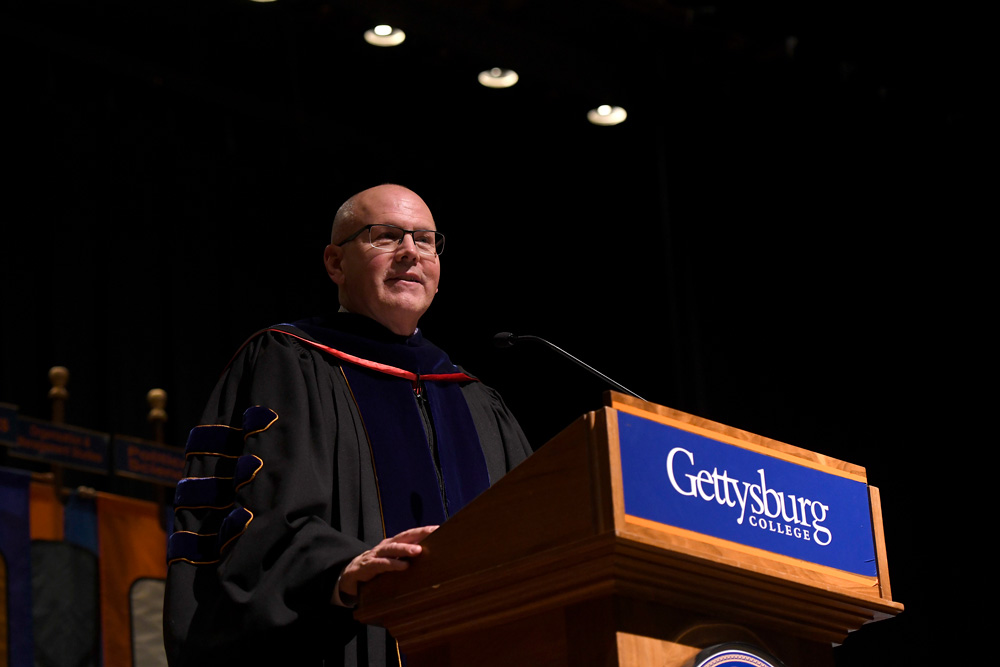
507 339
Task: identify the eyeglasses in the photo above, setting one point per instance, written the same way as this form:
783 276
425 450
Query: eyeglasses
390 237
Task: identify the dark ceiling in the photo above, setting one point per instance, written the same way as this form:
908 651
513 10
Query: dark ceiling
762 242
774 160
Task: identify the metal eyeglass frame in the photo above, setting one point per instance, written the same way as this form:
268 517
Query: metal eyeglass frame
438 238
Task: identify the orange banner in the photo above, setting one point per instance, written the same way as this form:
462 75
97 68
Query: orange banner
132 547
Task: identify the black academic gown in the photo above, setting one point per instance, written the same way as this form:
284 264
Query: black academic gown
282 490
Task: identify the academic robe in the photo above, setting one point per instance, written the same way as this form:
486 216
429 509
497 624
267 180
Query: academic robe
286 481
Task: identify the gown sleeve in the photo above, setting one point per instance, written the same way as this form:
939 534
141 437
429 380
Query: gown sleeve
298 507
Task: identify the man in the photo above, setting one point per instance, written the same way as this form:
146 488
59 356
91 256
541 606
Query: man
328 450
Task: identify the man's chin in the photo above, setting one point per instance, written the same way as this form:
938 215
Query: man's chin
401 315
407 300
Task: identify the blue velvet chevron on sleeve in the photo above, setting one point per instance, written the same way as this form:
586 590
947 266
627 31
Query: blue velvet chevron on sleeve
215 468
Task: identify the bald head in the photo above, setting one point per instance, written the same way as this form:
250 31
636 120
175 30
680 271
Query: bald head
359 209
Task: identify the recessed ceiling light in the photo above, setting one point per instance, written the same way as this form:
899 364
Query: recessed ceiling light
606 115
384 35
498 78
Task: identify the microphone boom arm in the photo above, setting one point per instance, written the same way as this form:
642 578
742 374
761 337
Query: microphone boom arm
507 339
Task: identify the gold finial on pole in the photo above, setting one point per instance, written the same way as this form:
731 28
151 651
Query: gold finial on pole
157 399
59 377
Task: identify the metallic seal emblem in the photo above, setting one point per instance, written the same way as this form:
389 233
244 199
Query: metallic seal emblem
735 655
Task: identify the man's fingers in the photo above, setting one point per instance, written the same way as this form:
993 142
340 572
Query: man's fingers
391 554
368 570
412 535
395 550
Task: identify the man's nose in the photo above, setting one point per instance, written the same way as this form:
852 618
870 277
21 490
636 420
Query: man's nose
407 248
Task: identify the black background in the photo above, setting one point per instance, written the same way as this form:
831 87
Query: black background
780 237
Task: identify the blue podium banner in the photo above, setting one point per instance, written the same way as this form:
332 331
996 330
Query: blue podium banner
678 478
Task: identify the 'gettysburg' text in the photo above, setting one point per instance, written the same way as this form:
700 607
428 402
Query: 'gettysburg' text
770 510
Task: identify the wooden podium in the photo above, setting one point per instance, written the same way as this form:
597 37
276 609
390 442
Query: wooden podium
547 568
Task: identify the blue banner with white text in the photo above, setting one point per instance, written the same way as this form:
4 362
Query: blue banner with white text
678 478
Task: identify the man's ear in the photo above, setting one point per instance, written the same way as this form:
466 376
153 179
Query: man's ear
332 257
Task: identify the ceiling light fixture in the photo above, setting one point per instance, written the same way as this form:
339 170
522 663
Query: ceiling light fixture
384 35
498 78
606 115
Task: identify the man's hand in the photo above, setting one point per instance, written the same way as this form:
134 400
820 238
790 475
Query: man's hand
389 555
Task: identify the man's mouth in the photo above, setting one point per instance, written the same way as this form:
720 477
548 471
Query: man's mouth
405 278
